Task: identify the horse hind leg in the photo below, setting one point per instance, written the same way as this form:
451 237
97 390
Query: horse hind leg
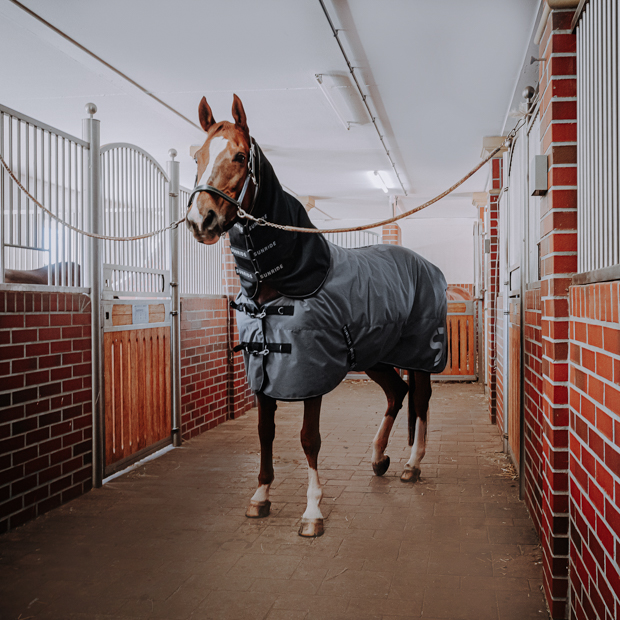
312 519
419 397
395 390
260 505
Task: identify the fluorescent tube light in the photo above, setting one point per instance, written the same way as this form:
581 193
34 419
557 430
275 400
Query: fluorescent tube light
319 80
382 184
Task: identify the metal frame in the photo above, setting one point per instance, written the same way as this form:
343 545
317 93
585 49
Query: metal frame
598 140
52 165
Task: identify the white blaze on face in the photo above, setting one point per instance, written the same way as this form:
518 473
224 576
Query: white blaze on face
216 147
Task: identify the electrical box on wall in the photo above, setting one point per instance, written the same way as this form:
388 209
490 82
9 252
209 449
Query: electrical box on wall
538 175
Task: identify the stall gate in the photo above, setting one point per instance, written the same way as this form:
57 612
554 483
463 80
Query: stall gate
461 331
136 306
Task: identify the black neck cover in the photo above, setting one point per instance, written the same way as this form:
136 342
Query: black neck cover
295 264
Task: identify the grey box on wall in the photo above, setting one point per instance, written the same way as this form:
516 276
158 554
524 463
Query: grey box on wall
538 175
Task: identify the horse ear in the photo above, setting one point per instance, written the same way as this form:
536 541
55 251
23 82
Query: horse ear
239 113
205 115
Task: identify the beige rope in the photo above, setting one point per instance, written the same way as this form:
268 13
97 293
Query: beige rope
262 222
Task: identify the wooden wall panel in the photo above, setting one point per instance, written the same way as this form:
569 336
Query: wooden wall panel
461 345
137 390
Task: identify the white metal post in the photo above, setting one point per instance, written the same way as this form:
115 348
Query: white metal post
91 134
175 340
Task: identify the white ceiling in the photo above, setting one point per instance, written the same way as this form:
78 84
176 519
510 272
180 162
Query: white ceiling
440 76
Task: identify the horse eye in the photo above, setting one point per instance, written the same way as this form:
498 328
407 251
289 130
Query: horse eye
240 157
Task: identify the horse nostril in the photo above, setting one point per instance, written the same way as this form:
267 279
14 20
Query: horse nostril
208 220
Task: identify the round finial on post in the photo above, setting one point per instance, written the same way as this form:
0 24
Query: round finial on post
91 109
528 92
172 153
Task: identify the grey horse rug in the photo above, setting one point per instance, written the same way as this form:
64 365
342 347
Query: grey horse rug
379 304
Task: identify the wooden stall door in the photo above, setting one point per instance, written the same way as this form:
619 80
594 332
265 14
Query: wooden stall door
514 381
461 344
137 390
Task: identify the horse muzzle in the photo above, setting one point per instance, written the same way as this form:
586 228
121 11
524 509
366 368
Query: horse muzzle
209 229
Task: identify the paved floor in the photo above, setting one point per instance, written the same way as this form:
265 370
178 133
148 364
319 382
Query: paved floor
170 539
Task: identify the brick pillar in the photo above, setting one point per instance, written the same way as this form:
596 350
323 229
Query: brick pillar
493 283
391 234
240 397
558 212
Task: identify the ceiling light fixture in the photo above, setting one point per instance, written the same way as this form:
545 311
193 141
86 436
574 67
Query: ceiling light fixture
321 82
382 184
364 98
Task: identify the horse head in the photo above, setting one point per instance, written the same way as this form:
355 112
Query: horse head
223 174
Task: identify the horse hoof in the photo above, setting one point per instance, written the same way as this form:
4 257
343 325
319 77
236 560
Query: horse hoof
258 510
311 528
411 475
382 466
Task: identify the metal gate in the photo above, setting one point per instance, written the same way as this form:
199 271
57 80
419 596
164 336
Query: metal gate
136 306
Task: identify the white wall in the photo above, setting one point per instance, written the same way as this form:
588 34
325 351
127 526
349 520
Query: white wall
446 242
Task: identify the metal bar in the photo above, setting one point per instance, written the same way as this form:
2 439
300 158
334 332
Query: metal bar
3 205
35 224
612 41
25 247
597 144
83 219
175 332
27 184
49 202
27 119
91 132
18 208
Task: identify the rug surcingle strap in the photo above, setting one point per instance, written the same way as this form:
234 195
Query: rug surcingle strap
258 348
265 311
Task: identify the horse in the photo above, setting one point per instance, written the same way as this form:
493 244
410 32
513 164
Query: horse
298 287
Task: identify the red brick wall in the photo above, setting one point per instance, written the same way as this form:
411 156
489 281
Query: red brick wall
204 364
391 234
213 383
45 402
533 435
558 248
212 390
240 395
595 450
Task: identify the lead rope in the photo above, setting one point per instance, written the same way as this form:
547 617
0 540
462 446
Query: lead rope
261 221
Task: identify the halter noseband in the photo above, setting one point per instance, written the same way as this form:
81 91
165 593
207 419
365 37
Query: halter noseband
252 174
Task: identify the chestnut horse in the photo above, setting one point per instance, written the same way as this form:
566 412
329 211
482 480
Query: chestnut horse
227 181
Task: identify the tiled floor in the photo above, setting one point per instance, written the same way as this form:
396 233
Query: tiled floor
170 539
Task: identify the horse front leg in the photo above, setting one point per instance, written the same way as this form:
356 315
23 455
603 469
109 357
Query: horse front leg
312 519
419 396
259 504
395 390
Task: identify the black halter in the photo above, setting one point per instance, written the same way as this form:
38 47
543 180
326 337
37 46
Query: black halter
253 166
